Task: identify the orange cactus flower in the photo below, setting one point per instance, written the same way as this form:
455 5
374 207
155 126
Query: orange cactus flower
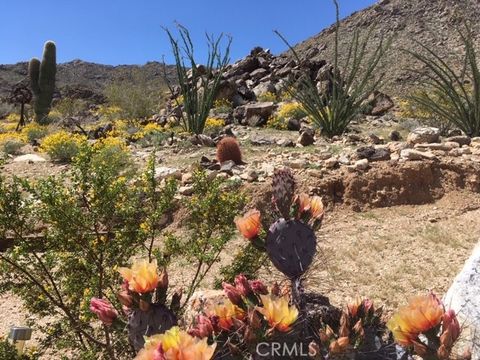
142 277
316 207
422 314
303 203
249 224
277 312
226 314
176 344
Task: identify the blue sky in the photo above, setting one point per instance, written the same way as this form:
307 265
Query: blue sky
130 31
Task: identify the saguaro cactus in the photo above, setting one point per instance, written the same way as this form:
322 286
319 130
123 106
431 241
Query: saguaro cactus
42 80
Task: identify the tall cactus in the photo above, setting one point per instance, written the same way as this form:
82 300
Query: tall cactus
42 80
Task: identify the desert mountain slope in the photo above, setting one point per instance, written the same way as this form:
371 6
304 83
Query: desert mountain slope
79 74
434 23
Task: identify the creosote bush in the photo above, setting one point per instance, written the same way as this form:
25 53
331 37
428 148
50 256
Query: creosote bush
211 211
69 233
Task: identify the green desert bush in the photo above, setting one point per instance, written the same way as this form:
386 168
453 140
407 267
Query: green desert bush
134 97
92 219
198 84
210 226
349 87
451 96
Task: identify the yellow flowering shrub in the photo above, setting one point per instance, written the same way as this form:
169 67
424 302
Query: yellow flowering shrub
63 146
268 96
222 105
214 124
276 122
292 110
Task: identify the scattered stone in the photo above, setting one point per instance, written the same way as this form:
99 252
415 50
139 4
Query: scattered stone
187 178
380 154
361 164
344 160
437 146
374 139
307 137
296 164
331 163
227 166
285 143
163 172
380 103
186 190
424 135
250 176
395 136
203 140
30 158
460 151
260 141
412 154
293 124
460 139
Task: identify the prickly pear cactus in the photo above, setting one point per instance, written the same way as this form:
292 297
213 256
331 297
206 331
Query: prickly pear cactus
283 191
156 320
291 246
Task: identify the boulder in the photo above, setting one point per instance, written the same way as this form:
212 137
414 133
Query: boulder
379 104
30 158
424 135
464 297
263 110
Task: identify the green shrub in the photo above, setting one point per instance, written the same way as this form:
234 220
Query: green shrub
211 211
12 146
333 109
453 97
134 97
93 219
69 107
34 132
198 91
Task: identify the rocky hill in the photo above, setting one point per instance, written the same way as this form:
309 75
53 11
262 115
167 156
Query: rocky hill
434 23
77 77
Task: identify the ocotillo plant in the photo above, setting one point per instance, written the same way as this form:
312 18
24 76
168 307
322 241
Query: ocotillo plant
42 80
290 241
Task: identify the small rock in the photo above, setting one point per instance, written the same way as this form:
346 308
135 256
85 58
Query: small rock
306 138
296 164
412 154
285 143
203 140
361 164
395 136
424 135
293 124
437 146
187 178
186 190
374 139
163 172
227 166
460 139
331 163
